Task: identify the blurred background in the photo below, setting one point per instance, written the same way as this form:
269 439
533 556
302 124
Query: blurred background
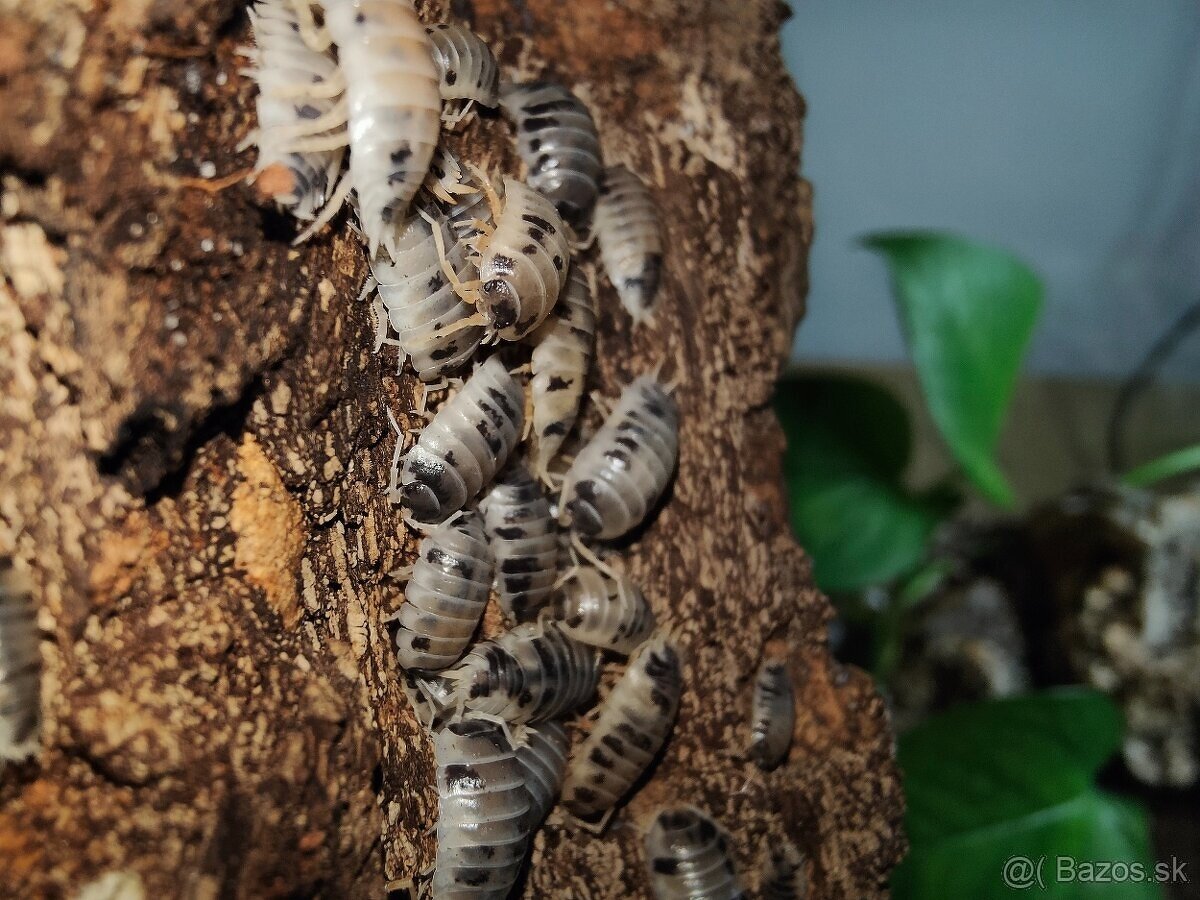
1034 170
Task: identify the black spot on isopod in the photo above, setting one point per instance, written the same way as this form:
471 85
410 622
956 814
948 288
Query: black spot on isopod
565 104
517 584
464 778
451 76
558 383
473 878
539 222
359 19
537 234
555 428
510 534
664 865
308 111
558 262
600 758
436 281
613 743
537 123
529 249
401 155
708 831
420 643
535 145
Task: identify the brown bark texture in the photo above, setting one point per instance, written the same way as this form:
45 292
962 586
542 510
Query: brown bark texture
193 450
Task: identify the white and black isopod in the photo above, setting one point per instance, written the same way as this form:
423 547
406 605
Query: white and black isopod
394 107
20 668
483 822
529 674
559 144
630 235
633 724
445 595
773 714
468 440
623 470
523 262
783 875
689 858
298 89
467 68
420 304
562 355
609 613
542 752
524 539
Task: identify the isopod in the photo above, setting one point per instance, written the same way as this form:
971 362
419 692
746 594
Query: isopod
445 595
609 613
467 69
524 254
632 726
469 439
558 142
420 304
562 355
689 858
773 714
630 236
529 674
524 539
542 752
483 823
783 876
20 668
298 89
394 107
620 474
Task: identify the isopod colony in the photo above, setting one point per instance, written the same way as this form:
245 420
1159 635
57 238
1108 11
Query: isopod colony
352 99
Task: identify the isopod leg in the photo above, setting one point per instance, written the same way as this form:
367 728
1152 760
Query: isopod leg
464 289
329 210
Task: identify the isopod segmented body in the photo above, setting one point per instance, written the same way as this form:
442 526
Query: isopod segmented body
689 858
542 752
394 107
483 823
783 876
468 440
559 144
446 594
773 715
298 88
623 470
524 539
634 722
20 668
523 262
609 613
466 66
562 355
630 235
420 303
532 673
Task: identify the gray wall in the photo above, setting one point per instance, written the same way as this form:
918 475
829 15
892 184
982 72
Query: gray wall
1065 130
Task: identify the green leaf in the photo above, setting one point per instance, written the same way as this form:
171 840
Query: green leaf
1173 464
989 781
847 447
968 312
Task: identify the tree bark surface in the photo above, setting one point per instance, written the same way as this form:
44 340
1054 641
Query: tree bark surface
194 446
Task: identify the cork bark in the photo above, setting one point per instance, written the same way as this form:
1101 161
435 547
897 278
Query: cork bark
193 445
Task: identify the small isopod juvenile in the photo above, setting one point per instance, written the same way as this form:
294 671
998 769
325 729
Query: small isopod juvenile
467 69
524 539
298 89
20 668
689 858
620 474
562 355
420 304
524 254
773 714
783 875
630 235
529 674
609 613
558 142
632 726
483 821
542 752
445 595
469 439
393 106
